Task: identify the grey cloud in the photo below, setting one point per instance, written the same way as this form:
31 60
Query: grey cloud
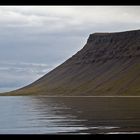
15 75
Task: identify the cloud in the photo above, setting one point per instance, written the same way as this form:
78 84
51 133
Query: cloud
60 17
15 75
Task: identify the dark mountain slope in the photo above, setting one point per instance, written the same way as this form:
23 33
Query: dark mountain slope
109 64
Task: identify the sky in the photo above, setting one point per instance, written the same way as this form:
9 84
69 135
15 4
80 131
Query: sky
36 39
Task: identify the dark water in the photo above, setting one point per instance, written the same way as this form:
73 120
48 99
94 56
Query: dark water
69 115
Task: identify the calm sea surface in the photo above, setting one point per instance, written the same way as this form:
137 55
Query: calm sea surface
69 115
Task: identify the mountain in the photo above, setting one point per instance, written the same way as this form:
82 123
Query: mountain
108 64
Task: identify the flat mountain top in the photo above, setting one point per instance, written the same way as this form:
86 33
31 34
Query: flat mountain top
108 64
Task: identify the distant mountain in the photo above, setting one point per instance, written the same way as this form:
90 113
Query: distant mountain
109 64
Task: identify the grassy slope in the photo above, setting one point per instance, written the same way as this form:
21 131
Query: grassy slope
118 79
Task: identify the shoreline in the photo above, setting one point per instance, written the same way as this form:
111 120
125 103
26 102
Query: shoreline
76 96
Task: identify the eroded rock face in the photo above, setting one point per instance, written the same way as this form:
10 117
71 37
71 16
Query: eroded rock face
107 46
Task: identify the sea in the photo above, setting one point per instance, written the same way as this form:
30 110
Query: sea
69 115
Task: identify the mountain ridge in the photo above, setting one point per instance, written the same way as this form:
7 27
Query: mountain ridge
108 64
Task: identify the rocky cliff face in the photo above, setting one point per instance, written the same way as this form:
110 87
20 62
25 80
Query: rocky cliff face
102 47
109 64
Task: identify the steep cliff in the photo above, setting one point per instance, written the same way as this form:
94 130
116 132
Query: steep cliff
109 64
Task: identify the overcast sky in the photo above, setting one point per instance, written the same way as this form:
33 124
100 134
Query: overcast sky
35 39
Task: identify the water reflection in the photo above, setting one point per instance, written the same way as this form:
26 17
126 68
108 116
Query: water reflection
91 115
55 115
68 115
